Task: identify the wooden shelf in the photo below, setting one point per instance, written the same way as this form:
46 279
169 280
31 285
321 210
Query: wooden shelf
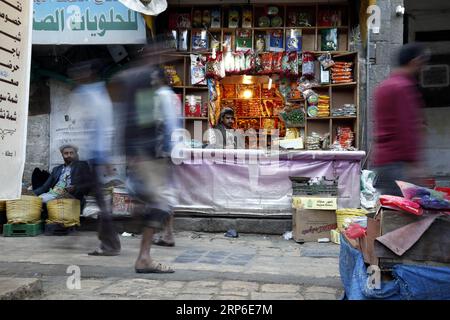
328 118
350 84
280 99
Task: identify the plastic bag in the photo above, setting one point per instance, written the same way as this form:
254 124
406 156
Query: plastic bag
326 61
369 195
401 203
308 65
355 231
411 191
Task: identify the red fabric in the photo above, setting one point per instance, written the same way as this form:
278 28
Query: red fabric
398 120
401 203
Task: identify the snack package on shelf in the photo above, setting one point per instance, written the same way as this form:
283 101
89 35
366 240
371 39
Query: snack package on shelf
294 40
193 106
183 40
215 18
308 67
266 62
329 39
276 41
247 18
198 71
197 18
342 72
277 58
206 18
172 75
344 139
243 40
233 18
293 115
323 106
200 40
347 110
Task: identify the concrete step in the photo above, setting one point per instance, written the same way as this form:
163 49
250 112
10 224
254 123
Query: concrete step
19 288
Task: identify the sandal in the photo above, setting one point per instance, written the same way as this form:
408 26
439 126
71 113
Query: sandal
155 268
161 242
100 252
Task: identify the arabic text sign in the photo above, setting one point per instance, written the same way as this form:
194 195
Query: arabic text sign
15 61
86 22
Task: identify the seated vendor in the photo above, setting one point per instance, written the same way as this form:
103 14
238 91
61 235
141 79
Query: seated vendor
223 136
68 180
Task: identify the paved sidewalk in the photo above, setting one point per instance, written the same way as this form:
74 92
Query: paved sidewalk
207 265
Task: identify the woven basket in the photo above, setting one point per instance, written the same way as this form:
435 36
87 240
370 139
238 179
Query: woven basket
25 210
343 214
64 211
2 206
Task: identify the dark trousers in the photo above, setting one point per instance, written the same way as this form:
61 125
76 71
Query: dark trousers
109 239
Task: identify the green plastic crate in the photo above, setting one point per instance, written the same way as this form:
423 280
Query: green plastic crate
23 229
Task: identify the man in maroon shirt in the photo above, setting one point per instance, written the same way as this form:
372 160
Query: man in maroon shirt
398 122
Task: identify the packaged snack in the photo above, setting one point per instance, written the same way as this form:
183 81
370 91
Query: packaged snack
193 106
304 19
264 22
215 18
294 40
308 65
276 41
206 18
401 203
229 62
293 64
329 40
200 40
183 40
249 62
285 88
197 18
260 43
272 10
258 63
233 18
277 58
326 61
172 76
292 18
247 18
266 63
244 40
198 72
276 22
324 75
213 96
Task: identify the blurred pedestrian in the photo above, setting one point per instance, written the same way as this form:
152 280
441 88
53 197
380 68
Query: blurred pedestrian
150 122
92 99
398 128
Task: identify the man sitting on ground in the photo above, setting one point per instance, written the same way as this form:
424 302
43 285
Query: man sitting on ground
68 180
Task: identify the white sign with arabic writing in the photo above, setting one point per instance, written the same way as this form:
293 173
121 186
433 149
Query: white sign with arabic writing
86 22
15 64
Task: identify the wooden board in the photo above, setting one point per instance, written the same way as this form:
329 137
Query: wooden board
431 249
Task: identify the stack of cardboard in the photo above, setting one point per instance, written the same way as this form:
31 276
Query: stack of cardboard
313 216
397 237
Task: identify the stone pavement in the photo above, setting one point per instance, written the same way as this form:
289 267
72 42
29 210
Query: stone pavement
207 265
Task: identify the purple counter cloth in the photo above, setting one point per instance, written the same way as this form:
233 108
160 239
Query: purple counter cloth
262 188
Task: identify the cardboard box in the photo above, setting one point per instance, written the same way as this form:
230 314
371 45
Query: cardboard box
314 203
310 225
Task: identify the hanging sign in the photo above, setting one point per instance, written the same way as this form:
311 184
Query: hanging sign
86 22
15 62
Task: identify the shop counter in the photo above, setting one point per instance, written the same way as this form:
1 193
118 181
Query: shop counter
256 182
